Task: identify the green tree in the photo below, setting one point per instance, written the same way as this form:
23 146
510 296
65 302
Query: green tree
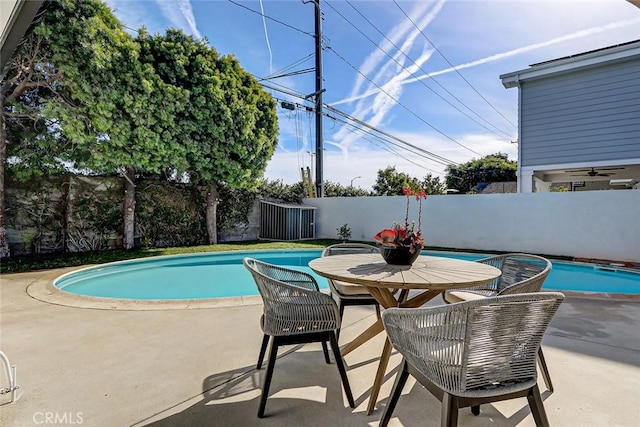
433 185
230 130
292 193
334 189
38 86
26 80
390 182
492 168
104 112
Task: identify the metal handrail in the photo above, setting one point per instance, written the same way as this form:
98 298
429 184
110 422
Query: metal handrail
11 375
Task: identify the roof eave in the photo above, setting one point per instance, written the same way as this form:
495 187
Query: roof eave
616 53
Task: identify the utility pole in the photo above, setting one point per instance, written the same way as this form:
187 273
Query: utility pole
318 99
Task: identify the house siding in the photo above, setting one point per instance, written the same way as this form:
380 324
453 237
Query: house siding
582 116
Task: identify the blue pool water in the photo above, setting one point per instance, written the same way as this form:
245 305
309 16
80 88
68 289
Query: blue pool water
218 275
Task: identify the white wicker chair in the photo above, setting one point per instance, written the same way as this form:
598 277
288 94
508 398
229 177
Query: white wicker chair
295 312
473 352
345 293
521 273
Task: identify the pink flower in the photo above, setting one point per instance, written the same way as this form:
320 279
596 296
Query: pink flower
405 235
387 237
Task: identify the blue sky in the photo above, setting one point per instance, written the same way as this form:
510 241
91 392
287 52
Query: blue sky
425 72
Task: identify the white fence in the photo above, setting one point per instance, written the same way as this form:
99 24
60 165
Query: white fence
588 224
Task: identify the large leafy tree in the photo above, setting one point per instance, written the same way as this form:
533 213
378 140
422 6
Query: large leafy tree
334 189
229 131
21 83
492 168
33 86
131 110
433 185
278 190
99 108
390 182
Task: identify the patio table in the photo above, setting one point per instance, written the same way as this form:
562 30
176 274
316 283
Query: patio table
428 277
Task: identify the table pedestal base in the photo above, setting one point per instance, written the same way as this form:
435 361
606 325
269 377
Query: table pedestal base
387 300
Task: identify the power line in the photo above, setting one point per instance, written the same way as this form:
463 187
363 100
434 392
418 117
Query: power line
452 66
283 89
434 157
397 101
272 19
400 103
288 67
293 73
412 148
421 69
387 145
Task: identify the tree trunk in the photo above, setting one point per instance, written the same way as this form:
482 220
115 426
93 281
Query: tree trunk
212 206
4 242
129 207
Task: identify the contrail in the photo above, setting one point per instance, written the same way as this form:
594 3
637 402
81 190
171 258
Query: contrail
389 81
266 36
499 56
182 16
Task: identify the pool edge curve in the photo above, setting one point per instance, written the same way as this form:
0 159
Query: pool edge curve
43 289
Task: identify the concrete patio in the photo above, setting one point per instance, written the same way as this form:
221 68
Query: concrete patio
196 367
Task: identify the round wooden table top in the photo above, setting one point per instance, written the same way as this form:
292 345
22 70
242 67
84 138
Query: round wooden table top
427 272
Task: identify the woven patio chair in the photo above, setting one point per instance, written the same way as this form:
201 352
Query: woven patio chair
521 273
295 312
472 352
346 293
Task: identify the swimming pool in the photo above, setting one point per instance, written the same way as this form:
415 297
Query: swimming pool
221 274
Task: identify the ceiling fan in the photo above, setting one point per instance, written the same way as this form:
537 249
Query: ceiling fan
593 173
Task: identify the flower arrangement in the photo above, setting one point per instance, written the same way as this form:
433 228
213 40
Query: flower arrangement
405 235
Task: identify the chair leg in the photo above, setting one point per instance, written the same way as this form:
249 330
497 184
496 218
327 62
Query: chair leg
475 410
401 380
449 415
263 349
273 353
537 407
545 370
378 311
343 372
325 350
341 308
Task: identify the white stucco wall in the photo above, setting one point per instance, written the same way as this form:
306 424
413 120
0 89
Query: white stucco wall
590 224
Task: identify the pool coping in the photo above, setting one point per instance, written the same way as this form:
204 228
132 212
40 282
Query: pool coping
44 290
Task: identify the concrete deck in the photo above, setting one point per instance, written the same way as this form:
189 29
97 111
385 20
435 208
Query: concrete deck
196 367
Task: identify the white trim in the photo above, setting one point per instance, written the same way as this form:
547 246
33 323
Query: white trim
594 164
615 53
9 19
525 181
